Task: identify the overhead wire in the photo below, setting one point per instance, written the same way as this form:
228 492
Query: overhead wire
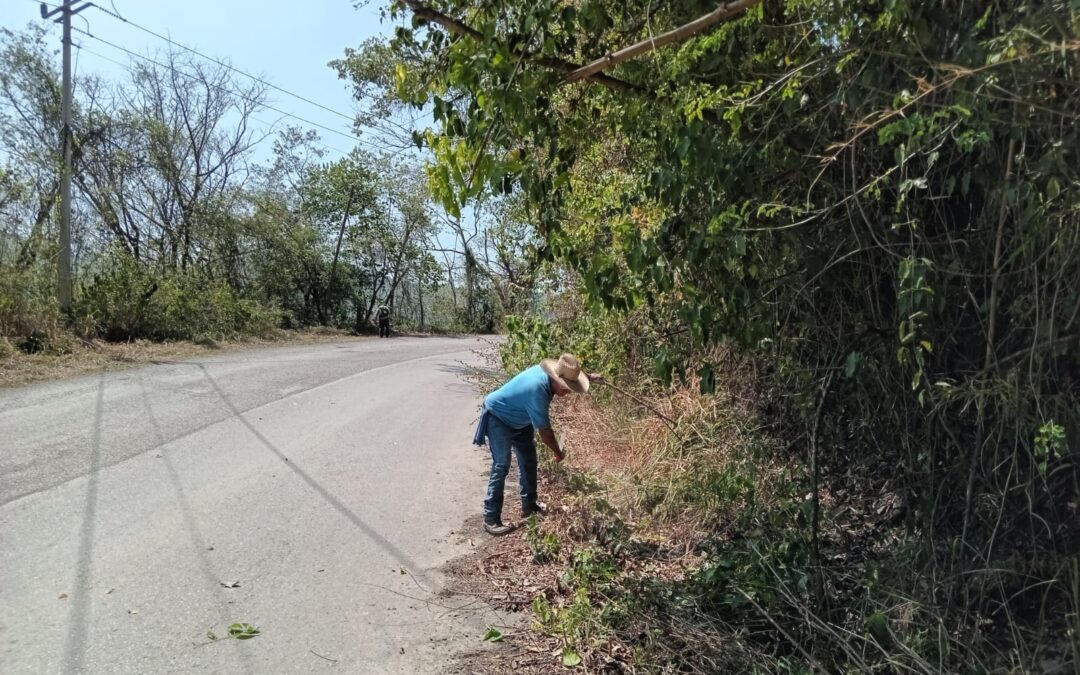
240 95
270 125
223 64
392 149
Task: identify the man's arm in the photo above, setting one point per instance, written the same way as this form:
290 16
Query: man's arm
548 437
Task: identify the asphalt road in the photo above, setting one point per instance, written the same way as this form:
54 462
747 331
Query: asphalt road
311 491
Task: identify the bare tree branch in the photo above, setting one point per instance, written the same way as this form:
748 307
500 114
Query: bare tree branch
725 11
460 28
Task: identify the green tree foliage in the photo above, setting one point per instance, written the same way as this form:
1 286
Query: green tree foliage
875 198
178 231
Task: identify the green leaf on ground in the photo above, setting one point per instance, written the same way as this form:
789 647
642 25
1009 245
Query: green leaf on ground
243 631
493 634
570 658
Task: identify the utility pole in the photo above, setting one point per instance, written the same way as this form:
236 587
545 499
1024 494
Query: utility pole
67 10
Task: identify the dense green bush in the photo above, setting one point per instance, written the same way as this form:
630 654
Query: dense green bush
27 301
126 300
875 202
602 340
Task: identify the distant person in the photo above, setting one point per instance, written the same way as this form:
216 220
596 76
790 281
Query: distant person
383 315
511 414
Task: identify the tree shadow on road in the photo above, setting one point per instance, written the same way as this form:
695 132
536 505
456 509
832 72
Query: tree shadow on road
330 499
75 648
212 580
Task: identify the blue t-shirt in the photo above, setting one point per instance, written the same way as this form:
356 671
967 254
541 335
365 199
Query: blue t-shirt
524 400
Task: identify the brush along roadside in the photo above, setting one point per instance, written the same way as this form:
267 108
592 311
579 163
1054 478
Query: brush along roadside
67 356
576 572
688 550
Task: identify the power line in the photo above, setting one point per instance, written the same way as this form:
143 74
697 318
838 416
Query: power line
270 125
355 139
228 66
223 64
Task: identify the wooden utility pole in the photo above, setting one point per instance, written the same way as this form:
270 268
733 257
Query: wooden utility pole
63 291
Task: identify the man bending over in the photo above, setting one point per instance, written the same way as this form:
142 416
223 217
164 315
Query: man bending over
511 414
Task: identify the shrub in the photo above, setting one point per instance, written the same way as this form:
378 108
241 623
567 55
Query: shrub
127 300
545 547
27 302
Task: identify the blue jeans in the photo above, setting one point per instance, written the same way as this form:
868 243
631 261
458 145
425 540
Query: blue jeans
501 440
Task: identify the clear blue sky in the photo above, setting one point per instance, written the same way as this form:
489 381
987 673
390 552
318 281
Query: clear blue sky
286 42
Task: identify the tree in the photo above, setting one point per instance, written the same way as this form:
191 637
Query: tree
195 120
340 199
869 188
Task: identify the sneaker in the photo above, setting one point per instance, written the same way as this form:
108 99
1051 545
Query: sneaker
536 508
497 528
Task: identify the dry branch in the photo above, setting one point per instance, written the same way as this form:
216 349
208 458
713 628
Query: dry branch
458 27
725 11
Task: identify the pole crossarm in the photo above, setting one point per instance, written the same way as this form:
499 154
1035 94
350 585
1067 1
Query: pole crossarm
67 8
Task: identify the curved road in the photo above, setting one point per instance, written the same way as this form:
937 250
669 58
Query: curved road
312 491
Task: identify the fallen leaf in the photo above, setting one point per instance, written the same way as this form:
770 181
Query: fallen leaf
243 631
61 596
570 658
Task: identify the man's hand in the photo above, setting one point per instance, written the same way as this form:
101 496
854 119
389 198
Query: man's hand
548 437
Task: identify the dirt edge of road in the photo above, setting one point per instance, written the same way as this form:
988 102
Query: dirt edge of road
502 572
87 357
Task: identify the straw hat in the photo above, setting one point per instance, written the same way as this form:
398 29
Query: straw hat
568 369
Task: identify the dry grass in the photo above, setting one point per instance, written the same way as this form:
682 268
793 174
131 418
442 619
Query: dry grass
503 572
18 368
614 446
648 468
653 499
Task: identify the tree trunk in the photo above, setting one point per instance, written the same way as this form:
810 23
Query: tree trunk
420 299
45 207
340 236
397 264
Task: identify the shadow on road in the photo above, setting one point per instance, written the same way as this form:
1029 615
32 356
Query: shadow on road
213 582
333 501
467 372
75 649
